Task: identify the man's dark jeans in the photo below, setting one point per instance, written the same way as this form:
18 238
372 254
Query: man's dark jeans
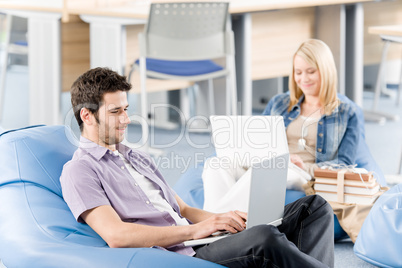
304 239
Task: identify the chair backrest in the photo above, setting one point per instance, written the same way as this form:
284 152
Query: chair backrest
36 155
31 163
187 31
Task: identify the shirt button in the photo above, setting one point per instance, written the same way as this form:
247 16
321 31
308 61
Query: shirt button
147 202
319 150
320 134
320 122
122 167
136 184
173 224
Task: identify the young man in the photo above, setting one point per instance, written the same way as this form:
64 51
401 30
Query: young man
120 193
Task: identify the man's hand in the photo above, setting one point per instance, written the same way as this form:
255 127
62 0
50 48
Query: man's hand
233 222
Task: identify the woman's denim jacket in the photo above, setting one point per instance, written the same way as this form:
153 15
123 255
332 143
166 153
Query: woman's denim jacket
337 134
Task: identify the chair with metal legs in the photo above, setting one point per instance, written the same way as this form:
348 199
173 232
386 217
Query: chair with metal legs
182 41
9 47
3 65
388 34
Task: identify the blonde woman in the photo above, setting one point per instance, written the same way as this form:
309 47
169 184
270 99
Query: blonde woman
321 126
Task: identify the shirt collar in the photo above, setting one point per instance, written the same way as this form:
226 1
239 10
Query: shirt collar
94 149
123 149
98 151
298 104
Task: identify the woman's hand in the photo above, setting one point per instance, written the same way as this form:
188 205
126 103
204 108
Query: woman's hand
295 159
233 222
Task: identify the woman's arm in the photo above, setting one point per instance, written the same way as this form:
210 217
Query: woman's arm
349 143
348 146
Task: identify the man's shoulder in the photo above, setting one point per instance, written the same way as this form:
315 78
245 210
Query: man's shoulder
79 157
80 163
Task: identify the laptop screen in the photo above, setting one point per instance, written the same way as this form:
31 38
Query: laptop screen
249 139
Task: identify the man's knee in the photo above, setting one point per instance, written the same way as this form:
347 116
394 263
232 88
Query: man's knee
265 238
322 204
316 202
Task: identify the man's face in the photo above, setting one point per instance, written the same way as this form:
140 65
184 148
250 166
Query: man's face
113 118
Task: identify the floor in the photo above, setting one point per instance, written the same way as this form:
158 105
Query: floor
182 149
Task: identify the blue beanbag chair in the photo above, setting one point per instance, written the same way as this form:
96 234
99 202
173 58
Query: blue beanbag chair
37 229
380 239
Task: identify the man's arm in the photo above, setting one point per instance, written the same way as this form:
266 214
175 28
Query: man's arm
107 223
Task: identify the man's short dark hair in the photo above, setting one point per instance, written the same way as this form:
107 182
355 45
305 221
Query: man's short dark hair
88 90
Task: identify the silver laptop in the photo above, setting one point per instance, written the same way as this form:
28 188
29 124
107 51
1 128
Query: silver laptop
249 139
268 169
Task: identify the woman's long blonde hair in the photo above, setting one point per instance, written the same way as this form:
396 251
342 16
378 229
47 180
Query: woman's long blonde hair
319 55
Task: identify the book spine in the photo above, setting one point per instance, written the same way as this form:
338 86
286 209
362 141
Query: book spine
351 183
348 176
349 198
348 189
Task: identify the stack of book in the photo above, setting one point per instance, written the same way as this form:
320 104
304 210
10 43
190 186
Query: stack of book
358 188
